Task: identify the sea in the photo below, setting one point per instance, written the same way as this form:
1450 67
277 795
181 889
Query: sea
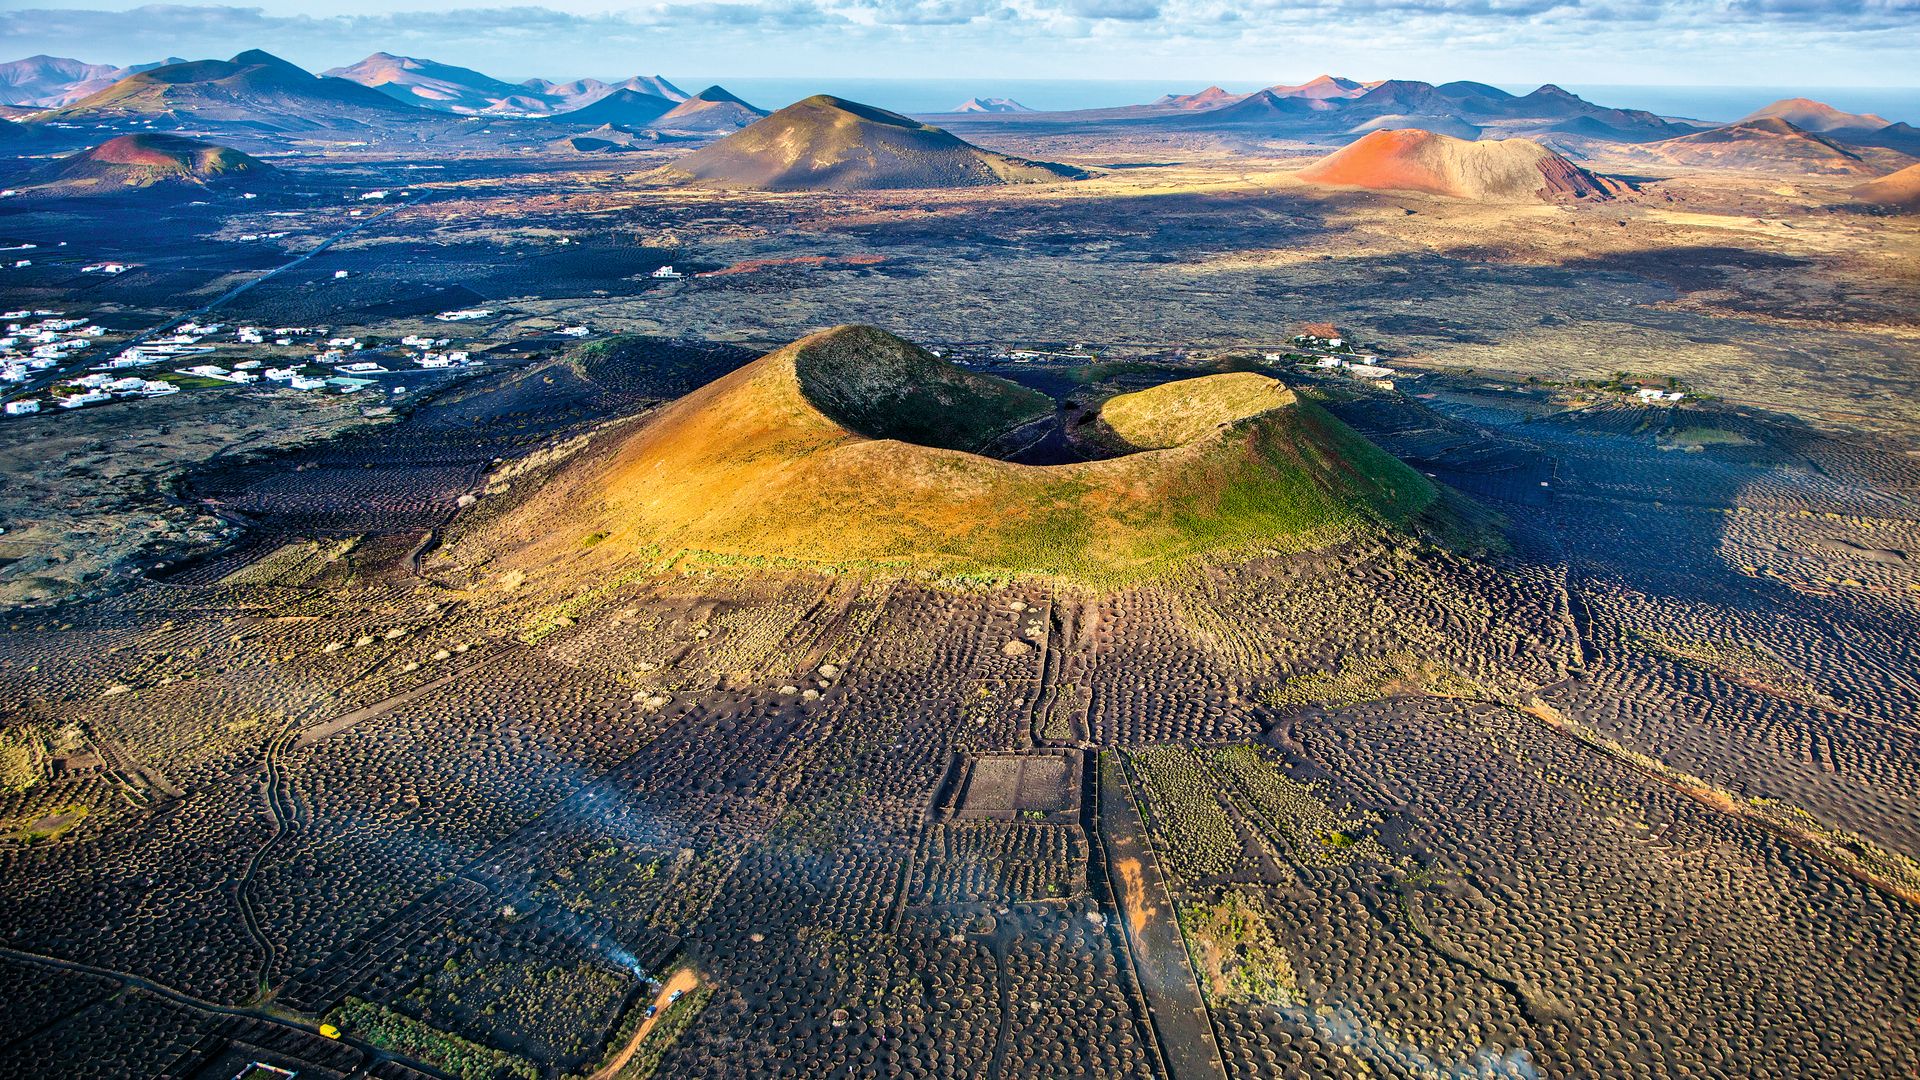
1712 103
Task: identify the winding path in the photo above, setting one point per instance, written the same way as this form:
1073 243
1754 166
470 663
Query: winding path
286 814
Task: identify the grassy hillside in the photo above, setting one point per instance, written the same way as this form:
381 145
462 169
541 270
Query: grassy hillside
749 467
1174 414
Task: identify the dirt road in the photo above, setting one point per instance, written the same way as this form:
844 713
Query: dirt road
683 980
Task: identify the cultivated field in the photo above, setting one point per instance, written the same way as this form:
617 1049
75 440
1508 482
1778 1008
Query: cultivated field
1601 760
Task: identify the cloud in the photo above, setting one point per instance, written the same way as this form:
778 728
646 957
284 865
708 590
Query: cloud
930 12
1123 10
1497 40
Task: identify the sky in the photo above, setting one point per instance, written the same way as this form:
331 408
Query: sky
1866 43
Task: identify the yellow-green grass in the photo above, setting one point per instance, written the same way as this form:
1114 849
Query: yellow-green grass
752 465
50 826
1177 413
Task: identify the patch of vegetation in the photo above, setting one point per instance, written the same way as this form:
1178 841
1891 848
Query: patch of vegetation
1292 812
1745 664
547 1005
1182 807
401 1034
50 826
1696 438
21 755
1175 414
1370 678
1236 954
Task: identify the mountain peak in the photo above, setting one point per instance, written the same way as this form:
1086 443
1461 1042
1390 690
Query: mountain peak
263 58
829 143
1811 115
1410 159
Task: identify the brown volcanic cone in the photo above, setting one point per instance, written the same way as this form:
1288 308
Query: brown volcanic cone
853 447
1773 145
1810 115
1509 170
712 109
828 144
1899 190
148 160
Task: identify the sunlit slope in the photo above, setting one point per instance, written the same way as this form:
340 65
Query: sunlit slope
1178 413
755 465
825 143
150 160
1899 190
1503 170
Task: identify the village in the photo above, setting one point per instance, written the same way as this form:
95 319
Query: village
43 358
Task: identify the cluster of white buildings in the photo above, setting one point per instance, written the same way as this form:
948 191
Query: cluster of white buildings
465 315
1653 395
292 378
1361 369
241 373
37 339
100 387
667 273
433 352
182 343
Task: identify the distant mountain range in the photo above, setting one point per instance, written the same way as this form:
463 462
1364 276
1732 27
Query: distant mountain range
1332 105
433 85
1861 129
261 93
253 90
52 81
990 105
